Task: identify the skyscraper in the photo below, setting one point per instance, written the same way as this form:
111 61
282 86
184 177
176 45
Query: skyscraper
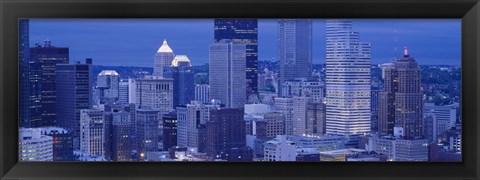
347 80
92 136
285 106
190 118
154 92
224 131
163 58
121 140
401 103
386 100
202 93
300 104
376 88
147 122
108 85
169 130
47 56
226 73
123 88
294 50
74 90
242 31
182 74
24 74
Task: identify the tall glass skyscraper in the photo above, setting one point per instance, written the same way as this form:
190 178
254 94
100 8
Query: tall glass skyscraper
242 31
347 80
24 63
74 90
181 72
294 50
226 73
47 57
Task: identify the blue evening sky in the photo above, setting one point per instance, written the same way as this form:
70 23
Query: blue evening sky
134 42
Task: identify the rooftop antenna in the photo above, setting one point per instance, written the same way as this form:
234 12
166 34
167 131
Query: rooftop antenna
395 48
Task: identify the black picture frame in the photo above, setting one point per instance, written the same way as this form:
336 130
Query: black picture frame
12 10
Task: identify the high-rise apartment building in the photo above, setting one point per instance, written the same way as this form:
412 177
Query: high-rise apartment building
347 80
242 31
294 50
227 73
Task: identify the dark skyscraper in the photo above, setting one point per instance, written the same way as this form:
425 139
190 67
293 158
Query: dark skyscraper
376 88
242 31
169 130
294 49
74 92
224 131
47 57
24 73
183 85
401 103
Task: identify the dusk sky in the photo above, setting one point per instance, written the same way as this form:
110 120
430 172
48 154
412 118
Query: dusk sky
134 42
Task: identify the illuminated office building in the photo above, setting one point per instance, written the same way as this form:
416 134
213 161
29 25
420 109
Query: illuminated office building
227 73
33 146
163 58
42 68
92 132
401 102
347 80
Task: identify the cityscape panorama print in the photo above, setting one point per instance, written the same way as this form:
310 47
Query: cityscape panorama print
240 90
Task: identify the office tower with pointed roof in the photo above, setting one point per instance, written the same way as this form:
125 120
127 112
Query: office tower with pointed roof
163 58
347 80
401 102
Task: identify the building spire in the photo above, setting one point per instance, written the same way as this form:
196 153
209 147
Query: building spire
165 48
405 52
